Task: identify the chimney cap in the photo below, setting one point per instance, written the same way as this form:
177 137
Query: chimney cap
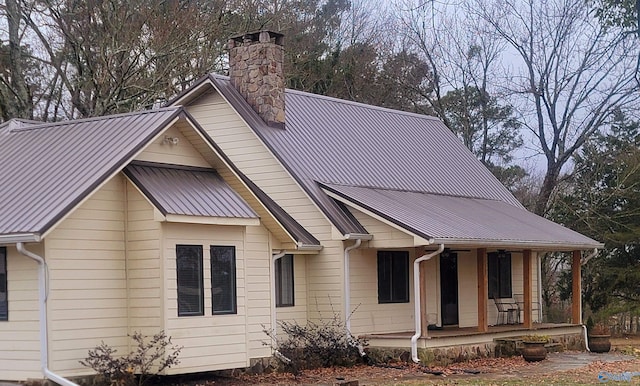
263 36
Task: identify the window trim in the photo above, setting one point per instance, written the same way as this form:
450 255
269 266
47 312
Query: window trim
4 285
278 267
233 284
399 261
200 280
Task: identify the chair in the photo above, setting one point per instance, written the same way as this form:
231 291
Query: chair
535 307
508 311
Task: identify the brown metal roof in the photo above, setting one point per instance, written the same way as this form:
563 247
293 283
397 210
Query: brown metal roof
462 220
48 169
188 191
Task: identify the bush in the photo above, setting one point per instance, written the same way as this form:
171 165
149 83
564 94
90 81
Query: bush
144 363
322 344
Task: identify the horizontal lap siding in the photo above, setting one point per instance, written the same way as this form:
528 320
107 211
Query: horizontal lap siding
87 276
386 236
180 154
211 342
249 154
143 265
19 337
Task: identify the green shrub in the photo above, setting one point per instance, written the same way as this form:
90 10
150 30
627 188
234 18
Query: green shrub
146 361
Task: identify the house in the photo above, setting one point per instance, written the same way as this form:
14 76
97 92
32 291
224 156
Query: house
225 212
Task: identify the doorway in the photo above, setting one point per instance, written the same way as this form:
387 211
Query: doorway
449 287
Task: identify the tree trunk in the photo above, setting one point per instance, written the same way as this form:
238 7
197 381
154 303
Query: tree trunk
23 106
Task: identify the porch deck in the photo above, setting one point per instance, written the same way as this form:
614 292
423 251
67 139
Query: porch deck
456 336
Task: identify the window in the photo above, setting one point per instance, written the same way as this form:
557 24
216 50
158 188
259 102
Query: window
499 272
284 281
4 301
223 280
393 277
190 283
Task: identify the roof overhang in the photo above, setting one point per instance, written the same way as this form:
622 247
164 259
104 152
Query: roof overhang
20 238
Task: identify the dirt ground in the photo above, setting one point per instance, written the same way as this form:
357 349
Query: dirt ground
571 368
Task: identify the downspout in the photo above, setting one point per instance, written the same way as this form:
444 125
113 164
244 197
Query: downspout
540 302
584 327
417 300
274 319
42 300
347 294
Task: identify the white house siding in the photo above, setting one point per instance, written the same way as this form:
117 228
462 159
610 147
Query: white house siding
215 342
250 155
144 265
182 153
19 336
87 278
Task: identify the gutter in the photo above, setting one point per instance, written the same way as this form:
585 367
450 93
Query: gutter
42 300
417 300
20 238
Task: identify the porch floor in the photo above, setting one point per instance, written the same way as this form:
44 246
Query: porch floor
454 335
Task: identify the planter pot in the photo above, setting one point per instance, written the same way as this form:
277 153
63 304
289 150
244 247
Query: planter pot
534 351
599 343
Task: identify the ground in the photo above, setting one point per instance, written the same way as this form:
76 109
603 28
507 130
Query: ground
573 368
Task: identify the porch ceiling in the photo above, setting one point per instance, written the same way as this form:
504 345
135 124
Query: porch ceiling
462 220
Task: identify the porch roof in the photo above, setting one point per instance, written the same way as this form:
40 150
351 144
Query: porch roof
461 220
188 191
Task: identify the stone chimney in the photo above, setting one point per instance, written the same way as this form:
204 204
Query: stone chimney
255 69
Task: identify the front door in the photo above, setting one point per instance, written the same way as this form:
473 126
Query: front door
449 287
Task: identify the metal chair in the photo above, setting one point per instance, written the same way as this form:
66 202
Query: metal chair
507 309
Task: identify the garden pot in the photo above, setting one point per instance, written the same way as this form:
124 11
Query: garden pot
534 351
599 343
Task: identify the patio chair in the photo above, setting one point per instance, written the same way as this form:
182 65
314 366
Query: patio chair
508 311
535 307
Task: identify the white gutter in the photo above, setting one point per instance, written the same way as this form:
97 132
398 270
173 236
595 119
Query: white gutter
417 300
20 238
42 300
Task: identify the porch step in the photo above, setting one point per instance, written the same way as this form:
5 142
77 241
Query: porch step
554 347
508 347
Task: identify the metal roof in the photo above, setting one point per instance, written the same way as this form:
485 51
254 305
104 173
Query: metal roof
48 169
188 191
338 142
462 220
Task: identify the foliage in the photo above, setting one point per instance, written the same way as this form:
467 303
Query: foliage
325 343
535 338
149 359
602 200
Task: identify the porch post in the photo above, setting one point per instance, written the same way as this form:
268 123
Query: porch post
576 289
483 290
424 323
527 280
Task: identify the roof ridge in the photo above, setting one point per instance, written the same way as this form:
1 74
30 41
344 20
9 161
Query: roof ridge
343 101
408 191
44 125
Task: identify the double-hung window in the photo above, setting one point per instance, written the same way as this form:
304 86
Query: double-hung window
223 279
190 281
4 300
393 277
284 281
499 274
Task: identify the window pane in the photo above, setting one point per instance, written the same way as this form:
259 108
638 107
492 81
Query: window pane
223 280
492 273
190 283
284 281
4 301
393 277
504 260
499 272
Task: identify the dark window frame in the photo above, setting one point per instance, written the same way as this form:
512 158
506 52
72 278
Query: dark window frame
393 277
230 292
281 281
499 276
195 282
4 303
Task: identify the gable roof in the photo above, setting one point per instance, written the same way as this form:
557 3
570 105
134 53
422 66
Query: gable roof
332 142
188 191
47 169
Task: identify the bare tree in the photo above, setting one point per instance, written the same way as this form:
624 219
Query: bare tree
575 73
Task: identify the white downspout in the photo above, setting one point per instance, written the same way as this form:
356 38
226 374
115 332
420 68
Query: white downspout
540 302
584 328
42 300
347 294
417 300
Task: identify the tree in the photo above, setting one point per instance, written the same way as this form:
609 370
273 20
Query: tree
575 73
602 200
